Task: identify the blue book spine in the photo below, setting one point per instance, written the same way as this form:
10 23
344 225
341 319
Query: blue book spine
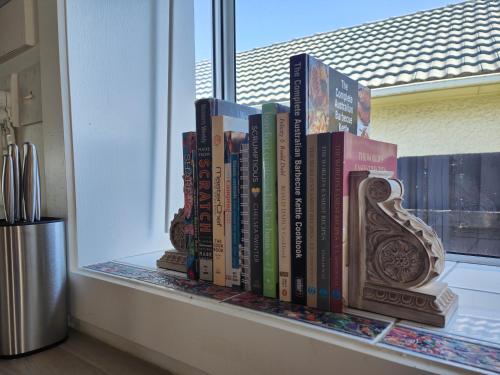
235 217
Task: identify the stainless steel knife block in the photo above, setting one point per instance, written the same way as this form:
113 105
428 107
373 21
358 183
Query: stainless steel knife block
33 309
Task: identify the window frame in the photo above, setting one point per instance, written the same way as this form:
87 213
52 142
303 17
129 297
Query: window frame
224 49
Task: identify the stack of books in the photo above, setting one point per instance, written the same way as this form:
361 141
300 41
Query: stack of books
266 190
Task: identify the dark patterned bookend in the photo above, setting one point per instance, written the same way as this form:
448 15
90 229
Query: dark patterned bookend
394 257
175 260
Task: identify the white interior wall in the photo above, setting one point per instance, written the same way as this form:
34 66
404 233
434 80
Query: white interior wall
118 76
182 89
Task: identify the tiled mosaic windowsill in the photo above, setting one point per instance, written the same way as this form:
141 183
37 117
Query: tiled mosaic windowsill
379 332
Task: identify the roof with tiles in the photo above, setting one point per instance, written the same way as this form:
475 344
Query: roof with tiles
454 41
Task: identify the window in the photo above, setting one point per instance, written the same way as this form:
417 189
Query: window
448 136
203 47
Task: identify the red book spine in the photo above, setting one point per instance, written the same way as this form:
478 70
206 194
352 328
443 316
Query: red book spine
337 221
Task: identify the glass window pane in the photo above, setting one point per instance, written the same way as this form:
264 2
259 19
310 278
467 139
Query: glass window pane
448 139
203 47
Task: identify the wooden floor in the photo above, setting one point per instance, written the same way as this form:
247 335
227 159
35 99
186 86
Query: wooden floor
79 355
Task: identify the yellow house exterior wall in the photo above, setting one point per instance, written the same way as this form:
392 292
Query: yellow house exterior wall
439 124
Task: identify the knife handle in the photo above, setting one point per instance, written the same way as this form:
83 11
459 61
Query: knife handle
13 151
29 183
8 189
38 203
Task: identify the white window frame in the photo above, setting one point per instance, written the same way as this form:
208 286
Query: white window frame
224 50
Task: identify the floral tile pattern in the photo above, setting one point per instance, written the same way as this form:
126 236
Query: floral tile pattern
415 340
163 278
346 323
446 348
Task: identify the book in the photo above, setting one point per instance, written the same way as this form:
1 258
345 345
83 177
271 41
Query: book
321 100
221 126
312 209
227 212
350 153
269 199
244 215
297 134
189 163
235 207
232 144
255 201
283 160
323 220
330 100
205 109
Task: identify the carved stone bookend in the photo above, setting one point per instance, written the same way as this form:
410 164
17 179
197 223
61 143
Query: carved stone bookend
394 256
175 260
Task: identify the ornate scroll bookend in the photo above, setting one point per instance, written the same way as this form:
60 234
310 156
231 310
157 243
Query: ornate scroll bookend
175 260
394 256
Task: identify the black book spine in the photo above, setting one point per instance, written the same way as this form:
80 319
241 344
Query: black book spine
323 220
298 173
255 200
204 188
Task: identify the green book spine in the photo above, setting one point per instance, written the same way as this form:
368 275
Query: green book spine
270 199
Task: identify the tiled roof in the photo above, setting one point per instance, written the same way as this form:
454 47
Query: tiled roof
457 40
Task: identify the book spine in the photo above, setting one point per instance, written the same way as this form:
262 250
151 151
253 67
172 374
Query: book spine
283 155
255 163
312 240
196 225
228 219
235 219
204 187
298 207
219 264
323 220
269 202
337 198
245 224
189 152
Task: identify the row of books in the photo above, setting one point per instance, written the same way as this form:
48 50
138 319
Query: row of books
266 191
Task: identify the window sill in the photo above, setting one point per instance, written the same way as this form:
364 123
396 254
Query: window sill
394 341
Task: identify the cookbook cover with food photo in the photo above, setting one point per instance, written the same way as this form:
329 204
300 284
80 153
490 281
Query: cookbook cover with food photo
334 102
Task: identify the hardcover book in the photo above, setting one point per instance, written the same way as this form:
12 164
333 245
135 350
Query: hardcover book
245 225
350 153
189 161
205 109
321 100
255 184
312 210
269 199
323 220
221 126
283 160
